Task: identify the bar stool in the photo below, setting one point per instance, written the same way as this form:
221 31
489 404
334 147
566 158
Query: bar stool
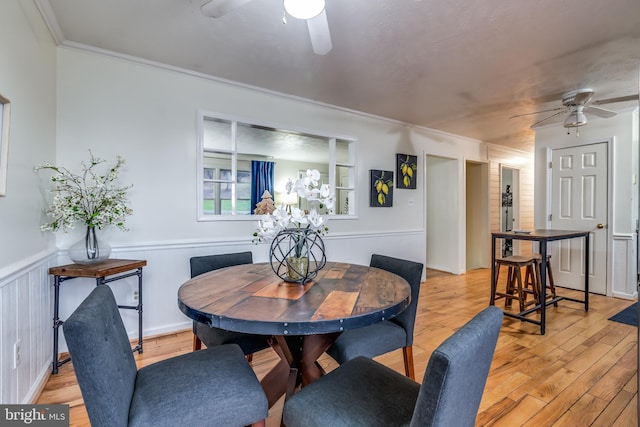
517 288
550 283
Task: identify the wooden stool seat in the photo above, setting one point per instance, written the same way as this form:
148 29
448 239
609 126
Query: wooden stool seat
517 288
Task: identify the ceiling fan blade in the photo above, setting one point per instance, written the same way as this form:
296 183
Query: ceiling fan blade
550 117
319 33
618 99
218 8
538 112
600 112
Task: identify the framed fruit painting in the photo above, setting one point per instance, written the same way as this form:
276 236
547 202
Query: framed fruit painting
406 166
381 192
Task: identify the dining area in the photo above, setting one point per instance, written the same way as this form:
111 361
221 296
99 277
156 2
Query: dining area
446 303
348 313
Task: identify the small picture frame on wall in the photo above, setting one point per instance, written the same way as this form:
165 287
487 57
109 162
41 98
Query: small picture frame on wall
5 115
406 171
381 188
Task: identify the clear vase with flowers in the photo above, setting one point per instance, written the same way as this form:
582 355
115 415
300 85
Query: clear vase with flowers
297 250
92 198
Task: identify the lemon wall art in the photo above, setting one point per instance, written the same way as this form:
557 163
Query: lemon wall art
381 192
406 166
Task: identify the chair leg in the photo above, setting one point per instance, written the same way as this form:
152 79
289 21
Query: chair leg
532 284
249 358
550 284
407 352
197 344
518 276
496 281
511 286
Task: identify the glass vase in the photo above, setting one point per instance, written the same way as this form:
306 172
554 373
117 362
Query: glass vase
90 250
297 254
297 267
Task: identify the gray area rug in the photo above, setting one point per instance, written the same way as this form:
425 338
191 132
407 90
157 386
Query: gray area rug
629 315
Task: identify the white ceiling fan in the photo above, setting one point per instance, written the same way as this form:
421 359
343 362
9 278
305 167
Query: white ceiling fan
310 10
578 102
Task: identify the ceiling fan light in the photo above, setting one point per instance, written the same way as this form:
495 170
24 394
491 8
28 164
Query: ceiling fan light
575 119
304 9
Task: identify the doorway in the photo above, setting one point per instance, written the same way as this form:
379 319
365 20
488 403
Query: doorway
477 215
509 207
443 206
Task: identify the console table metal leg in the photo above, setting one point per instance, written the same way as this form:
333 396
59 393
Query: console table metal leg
139 308
55 364
56 322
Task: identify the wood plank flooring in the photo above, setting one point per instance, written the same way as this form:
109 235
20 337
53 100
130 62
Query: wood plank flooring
583 372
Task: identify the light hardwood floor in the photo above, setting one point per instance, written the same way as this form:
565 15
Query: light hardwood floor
582 372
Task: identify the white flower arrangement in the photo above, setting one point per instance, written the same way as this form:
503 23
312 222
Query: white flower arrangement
319 197
91 198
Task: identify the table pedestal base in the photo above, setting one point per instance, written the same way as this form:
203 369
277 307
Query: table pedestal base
298 364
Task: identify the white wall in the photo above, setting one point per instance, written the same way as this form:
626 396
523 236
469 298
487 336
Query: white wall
148 116
622 132
27 78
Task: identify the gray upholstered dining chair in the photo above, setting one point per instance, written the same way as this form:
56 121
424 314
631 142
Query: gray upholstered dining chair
363 392
388 335
203 333
213 387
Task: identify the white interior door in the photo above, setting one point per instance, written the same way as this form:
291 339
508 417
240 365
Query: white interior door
579 202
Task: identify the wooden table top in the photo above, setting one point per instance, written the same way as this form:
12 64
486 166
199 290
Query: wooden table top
100 269
250 298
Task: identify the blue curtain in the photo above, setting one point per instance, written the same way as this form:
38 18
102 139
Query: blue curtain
261 179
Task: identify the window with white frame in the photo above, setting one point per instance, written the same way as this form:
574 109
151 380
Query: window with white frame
228 147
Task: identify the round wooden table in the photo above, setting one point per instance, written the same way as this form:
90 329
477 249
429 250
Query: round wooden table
299 321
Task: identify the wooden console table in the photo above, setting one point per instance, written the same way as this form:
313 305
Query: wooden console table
121 268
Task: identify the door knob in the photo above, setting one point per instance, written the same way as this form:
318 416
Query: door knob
600 225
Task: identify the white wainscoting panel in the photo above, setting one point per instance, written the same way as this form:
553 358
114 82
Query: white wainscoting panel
624 270
26 320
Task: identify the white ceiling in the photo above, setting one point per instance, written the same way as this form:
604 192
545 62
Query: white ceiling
460 66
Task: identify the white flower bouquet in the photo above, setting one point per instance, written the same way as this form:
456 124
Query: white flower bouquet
91 197
284 217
